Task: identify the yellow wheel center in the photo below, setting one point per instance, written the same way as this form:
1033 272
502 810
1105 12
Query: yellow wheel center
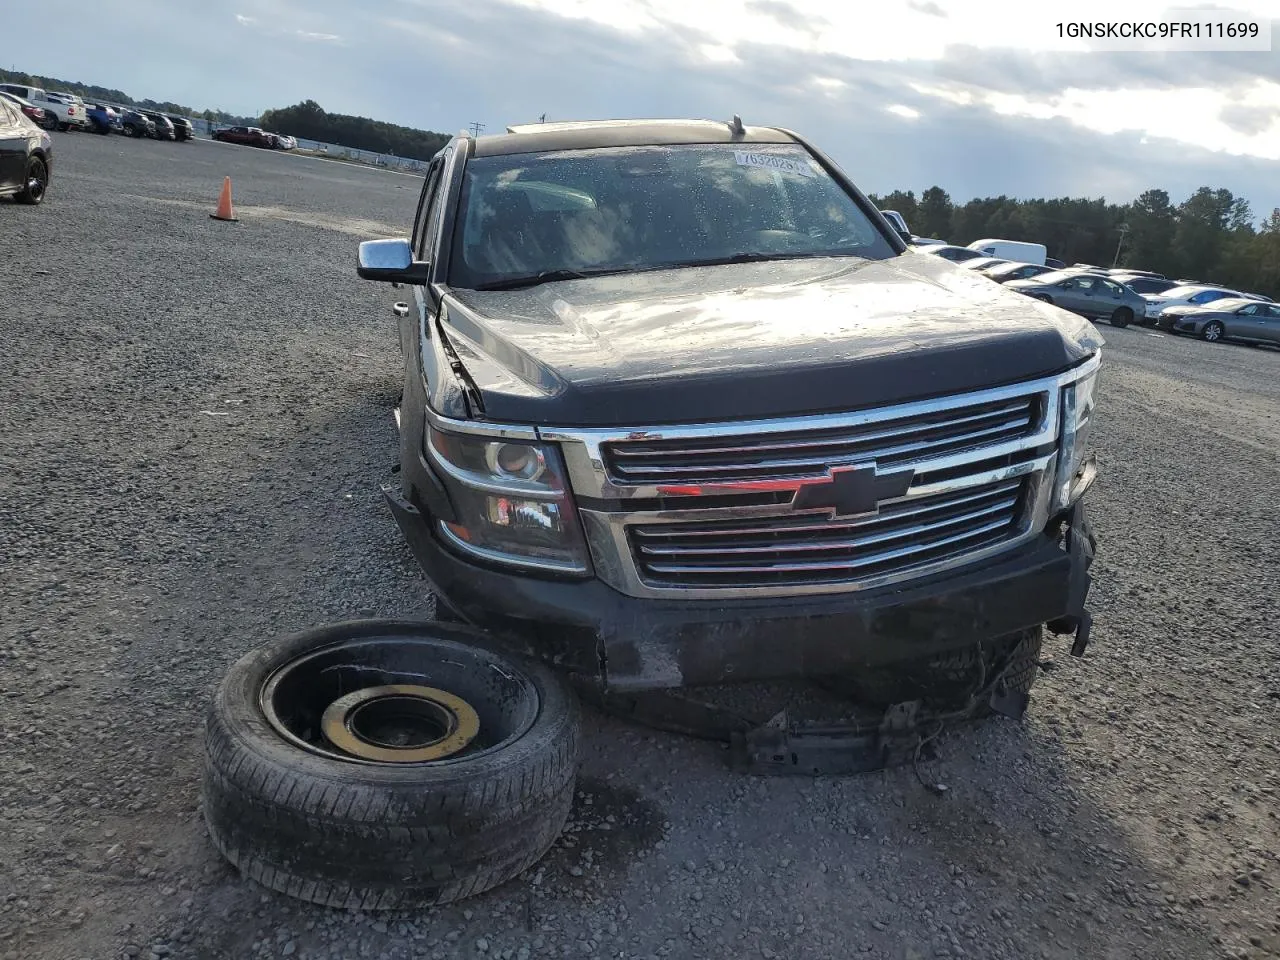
400 723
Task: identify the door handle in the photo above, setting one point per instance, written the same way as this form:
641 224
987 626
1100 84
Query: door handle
401 309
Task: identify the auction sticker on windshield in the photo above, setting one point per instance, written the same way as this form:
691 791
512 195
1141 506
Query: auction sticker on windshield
773 162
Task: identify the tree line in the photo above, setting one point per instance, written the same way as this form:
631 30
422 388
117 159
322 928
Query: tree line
309 120
1211 236
92 93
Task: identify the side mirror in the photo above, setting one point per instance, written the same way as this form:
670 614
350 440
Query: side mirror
391 261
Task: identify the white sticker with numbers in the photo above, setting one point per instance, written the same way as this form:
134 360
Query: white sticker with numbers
771 161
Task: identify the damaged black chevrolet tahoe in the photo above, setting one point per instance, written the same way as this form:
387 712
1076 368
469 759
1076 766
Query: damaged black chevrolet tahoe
681 408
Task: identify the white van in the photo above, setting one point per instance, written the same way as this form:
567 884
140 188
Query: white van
1014 250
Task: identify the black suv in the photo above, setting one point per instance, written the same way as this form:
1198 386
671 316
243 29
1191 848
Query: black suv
681 409
182 129
136 124
162 125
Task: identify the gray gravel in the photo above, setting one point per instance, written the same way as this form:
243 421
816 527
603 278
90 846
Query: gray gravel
195 420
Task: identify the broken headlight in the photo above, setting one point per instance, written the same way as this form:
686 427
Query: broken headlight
1075 461
511 500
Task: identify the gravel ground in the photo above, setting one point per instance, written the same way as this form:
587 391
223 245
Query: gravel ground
195 419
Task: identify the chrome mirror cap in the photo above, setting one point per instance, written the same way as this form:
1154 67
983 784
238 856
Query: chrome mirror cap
390 261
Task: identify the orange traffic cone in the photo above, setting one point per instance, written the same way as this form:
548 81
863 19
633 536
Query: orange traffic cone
225 210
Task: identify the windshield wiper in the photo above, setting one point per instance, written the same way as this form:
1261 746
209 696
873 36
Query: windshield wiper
545 276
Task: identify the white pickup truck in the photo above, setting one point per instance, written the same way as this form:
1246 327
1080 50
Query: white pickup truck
68 108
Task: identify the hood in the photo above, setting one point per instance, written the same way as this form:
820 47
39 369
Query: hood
752 340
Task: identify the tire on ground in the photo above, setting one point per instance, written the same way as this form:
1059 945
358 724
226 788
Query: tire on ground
371 836
945 681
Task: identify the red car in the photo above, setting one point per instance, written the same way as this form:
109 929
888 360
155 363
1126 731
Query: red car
33 113
246 136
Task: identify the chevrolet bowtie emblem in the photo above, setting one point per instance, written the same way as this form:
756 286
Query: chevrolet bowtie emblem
852 491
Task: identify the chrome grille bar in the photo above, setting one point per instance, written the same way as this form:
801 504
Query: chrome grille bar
731 549
769 457
678 512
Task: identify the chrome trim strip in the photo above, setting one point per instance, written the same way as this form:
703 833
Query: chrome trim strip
693 530
821 464
817 566
1012 408
611 551
507 559
680 550
588 475
482 428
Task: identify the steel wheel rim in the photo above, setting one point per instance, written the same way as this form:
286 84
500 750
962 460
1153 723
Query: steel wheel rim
463 702
1212 332
400 723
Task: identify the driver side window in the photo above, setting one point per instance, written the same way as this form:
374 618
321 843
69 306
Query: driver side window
1250 311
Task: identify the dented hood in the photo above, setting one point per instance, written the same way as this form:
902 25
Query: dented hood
752 340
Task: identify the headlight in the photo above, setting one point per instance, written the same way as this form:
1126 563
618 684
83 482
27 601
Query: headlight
1077 426
511 500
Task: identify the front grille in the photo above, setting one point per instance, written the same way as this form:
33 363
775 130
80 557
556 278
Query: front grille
906 534
890 442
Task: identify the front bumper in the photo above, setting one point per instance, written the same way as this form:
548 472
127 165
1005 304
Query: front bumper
625 643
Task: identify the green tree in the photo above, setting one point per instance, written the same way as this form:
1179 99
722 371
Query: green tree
1149 244
934 214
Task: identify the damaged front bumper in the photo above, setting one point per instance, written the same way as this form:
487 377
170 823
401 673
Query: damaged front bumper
619 643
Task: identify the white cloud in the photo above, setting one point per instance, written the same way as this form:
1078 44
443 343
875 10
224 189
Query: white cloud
321 37
1194 115
931 30
245 21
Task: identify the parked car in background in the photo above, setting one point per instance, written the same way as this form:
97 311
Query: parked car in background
66 114
1091 295
246 136
1011 250
182 128
163 125
26 156
284 142
948 251
1257 296
1232 318
982 263
899 223
37 115
1141 283
103 119
1131 272
1004 272
78 113
137 124
1185 296
1053 263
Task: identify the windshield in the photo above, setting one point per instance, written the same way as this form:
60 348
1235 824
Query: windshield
552 215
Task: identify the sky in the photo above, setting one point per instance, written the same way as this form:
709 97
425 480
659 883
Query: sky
980 97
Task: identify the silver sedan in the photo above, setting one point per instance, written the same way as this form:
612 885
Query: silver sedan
1251 321
1091 295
